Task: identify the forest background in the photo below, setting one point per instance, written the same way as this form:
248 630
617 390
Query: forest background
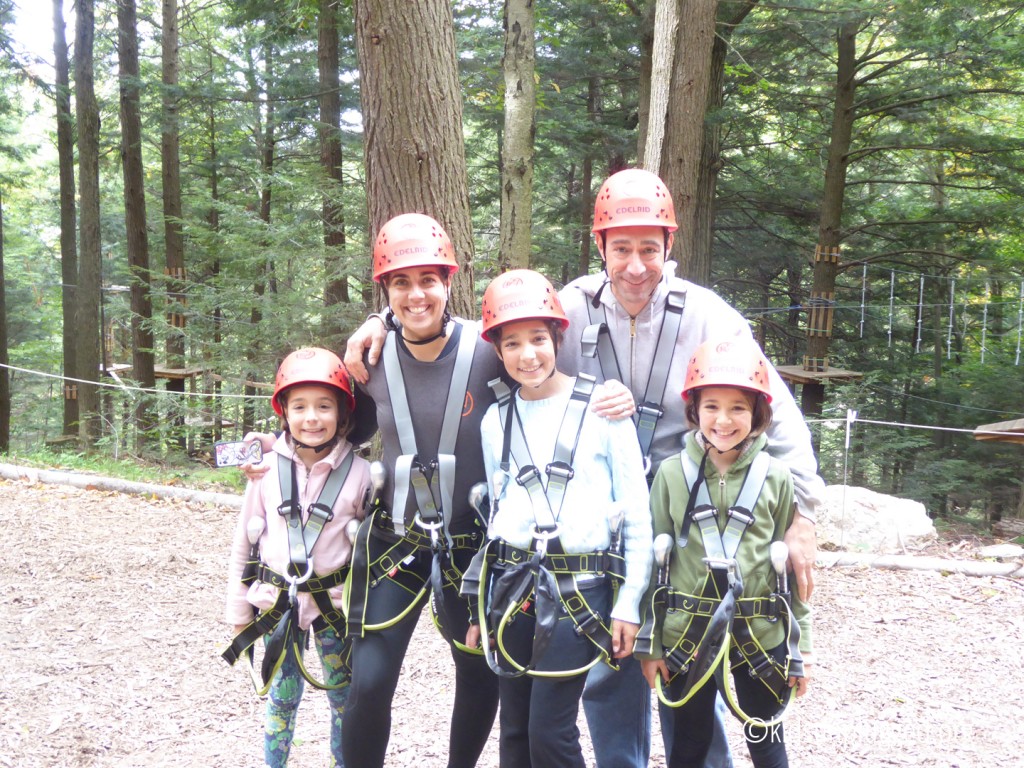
189 190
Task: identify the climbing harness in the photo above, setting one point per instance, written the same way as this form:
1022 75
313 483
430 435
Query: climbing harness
280 622
542 581
597 342
718 628
432 483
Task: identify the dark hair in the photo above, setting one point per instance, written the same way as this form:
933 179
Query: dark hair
345 420
762 416
554 328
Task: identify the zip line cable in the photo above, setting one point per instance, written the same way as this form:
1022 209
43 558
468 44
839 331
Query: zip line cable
125 388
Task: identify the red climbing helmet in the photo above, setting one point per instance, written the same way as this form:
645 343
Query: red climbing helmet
735 362
311 365
520 294
633 198
412 240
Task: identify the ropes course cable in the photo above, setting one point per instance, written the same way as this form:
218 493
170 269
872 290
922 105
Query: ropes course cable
126 388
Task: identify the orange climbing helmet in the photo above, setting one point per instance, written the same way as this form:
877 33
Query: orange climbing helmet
735 362
412 240
633 198
312 365
520 294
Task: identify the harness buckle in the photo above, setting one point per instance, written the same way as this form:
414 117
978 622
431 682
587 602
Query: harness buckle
742 515
560 469
322 508
703 512
528 474
648 414
727 564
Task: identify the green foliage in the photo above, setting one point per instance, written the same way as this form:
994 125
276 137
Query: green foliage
933 190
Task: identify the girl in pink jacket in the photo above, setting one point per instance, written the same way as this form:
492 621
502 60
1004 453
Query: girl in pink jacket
291 547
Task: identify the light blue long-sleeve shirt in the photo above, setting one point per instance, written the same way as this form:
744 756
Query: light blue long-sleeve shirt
609 475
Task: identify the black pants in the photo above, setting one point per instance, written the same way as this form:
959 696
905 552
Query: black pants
538 714
376 663
693 723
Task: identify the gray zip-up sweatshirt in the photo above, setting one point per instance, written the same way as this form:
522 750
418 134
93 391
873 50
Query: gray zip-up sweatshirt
706 316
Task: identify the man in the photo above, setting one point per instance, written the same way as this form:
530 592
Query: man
637 299
638 323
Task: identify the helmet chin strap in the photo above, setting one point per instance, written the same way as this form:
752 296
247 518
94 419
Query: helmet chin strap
317 449
391 325
708 445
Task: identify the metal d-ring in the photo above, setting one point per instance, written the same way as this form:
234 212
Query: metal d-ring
294 581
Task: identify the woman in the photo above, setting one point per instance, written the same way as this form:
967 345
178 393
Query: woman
430 391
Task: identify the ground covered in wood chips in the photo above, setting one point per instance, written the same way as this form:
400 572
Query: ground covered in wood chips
111 612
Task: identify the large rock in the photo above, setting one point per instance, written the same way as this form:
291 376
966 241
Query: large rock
861 520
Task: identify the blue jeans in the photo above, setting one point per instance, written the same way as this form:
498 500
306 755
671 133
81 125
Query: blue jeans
618 710
286 693
718 755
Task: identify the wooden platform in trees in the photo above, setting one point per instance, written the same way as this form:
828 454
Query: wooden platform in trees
795 374
1002 432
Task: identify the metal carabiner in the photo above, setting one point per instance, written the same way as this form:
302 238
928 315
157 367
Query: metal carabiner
543 537
432 528
294 581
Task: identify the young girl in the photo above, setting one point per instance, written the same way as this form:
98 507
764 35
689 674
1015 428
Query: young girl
570 509
297 517
718 507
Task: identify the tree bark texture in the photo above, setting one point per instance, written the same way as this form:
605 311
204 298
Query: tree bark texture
684 132
68 215
329 129
174 242
729 16
520 130
5 375
666 28
412 123
135 210
823 284
87 324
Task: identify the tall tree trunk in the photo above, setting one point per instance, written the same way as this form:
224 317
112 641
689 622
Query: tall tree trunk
520 129
328 61
826 259
5 360
174 242
135 212
684 132
213 220
68 216
412 123
87 318
663 49
586 208
170 165
264 278
729 16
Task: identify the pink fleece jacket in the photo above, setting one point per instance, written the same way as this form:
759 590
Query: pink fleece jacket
332 550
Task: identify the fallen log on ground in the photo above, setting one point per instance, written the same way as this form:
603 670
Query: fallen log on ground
33 475
922 563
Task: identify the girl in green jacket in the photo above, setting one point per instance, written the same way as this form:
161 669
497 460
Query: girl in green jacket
718 602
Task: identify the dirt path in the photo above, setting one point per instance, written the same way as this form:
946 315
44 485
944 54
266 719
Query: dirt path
112 636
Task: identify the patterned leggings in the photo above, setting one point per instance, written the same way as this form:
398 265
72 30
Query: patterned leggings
286 693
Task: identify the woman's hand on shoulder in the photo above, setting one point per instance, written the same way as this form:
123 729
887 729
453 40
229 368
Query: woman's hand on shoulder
369 336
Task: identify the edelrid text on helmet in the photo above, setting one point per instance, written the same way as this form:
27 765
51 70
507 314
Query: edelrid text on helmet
311 365
633 198
520 294
412 240
728 363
